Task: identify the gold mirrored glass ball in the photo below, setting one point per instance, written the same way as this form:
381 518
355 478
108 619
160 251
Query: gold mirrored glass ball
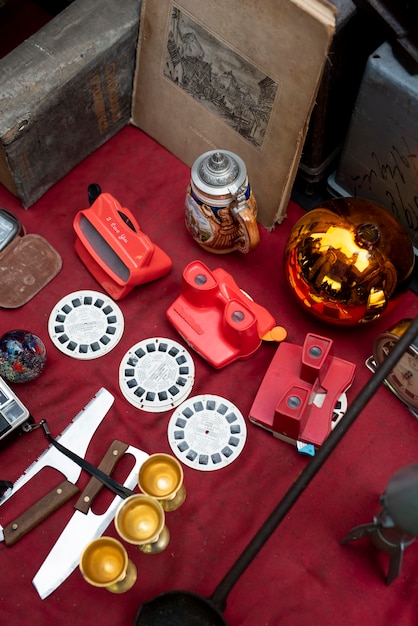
348 261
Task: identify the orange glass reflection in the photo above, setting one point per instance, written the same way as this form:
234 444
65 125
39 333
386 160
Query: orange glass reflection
348 261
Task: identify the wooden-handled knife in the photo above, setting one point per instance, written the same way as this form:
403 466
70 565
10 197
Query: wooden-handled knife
85 525
115 452
76 436
38 512
58 496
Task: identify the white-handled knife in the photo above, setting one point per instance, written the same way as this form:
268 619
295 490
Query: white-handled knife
84 526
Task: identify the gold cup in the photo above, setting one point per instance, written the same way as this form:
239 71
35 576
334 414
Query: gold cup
161 477
140 520
104 563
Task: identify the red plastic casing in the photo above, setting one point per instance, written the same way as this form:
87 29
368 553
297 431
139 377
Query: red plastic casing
118 255
285 402
216 318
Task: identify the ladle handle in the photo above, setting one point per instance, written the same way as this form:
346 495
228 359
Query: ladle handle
220 594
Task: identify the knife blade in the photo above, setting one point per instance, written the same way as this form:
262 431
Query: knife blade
76 435
83 527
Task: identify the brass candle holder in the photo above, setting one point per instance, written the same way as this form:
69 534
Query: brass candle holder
104 563
140 520
161 477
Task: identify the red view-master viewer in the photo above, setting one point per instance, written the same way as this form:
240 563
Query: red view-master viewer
115 250
298 399
216 318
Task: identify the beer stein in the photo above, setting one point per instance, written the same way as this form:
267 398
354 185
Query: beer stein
221 210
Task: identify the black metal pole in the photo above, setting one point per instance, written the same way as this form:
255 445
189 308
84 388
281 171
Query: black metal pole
220 594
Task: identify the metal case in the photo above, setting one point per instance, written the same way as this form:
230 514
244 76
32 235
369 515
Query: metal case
380 157
14 416
356 37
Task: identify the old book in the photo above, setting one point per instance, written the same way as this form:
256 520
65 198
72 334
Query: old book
65 91
237 75
355 38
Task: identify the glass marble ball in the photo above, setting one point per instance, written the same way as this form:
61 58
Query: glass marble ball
348 261
22 356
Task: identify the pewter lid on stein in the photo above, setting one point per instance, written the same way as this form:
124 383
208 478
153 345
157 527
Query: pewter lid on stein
219 172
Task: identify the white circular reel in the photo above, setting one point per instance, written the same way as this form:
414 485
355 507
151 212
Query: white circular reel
156 374
207 432
85 325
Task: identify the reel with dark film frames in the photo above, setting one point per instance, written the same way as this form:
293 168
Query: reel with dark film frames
178 608
156 374
402 380
207 432
86 324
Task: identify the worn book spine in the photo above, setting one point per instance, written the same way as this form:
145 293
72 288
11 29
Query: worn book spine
354 40
64 92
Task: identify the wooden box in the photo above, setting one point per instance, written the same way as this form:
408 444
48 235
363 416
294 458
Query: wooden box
64 92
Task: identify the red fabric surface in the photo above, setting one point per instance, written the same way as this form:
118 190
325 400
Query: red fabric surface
302 575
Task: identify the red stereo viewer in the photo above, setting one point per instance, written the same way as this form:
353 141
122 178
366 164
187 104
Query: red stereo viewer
115 250
216 318
300 397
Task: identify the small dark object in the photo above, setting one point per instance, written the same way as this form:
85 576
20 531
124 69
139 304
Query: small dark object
180 607
396 526
177 608
400 21
4 486
93 192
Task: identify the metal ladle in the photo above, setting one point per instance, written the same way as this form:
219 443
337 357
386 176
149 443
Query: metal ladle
177 608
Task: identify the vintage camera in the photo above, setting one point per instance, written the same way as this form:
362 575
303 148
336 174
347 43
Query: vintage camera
10 227
14 416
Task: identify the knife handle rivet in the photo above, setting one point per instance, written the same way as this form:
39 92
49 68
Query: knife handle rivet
15 526
115 452
59 491
86 499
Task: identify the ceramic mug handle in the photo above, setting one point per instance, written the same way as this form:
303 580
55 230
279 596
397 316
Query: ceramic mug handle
247 218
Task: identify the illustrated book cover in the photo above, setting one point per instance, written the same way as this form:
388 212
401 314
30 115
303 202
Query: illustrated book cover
238 75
